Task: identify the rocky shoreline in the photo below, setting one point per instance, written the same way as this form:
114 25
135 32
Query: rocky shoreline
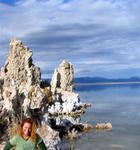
55 107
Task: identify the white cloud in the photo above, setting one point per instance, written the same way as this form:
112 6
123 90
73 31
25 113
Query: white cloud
31 15
96 62
93 34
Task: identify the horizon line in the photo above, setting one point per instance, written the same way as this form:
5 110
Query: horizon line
108 83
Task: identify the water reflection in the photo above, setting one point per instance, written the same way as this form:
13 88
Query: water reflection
93 87
118 104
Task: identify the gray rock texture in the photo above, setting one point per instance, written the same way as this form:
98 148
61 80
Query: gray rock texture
20 90
63 77
65 100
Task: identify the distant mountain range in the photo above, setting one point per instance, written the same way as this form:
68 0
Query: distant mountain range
105 80
100 80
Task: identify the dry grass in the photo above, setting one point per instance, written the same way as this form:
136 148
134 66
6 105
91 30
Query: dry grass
13 128
48 93
30 93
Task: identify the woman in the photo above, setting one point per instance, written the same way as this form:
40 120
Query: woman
26 139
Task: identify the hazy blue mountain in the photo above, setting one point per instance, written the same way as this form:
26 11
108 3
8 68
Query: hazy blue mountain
100 79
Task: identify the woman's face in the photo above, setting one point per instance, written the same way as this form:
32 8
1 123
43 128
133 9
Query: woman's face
27 128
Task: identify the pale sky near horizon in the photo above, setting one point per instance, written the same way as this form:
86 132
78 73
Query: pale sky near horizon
99 37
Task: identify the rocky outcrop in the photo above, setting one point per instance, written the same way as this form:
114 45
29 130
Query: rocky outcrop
66 109
63 77
100 126
50 136
1 85
20 82
66 101
107 126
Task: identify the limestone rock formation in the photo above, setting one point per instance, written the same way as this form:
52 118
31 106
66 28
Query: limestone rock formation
67 103
63 77
107 126
20 81
1 106
50 136
65 100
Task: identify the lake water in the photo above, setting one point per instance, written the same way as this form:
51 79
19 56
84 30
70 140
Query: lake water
117 104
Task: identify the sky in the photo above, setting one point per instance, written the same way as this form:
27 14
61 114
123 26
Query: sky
99 37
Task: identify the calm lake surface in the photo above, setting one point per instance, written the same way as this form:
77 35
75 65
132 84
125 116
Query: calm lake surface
117 104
